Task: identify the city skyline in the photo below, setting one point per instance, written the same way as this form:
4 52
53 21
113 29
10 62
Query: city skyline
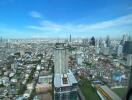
59 19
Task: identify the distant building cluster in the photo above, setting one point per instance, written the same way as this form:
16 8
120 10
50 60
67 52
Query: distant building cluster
56 69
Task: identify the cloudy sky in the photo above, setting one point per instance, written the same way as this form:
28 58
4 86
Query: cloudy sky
60 18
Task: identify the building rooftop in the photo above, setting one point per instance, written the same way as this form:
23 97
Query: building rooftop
110 92
61 80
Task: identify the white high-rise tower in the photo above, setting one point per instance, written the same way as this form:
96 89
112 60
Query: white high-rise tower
61 54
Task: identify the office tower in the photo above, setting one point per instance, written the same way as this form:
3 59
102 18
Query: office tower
100 42
61 59
124 39
129 63
106 51
107 41
129 38
119 50
102 45
79 58
127 50
129 60
92 42
65 84
127 47
70 38
1 40
97 49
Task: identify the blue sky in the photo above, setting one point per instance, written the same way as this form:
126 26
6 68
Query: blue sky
60 18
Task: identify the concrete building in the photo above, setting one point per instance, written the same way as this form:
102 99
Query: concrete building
70 40
107 41
127 49
119 50
97 49
79 58
106 51
92 42
65 84
129 60
61 58
65 87
124 39
102 46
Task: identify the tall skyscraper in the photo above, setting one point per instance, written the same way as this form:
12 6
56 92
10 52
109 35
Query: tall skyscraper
127 47
1 40
124 39
129 63
119 50
102 45
70 38
79 58
107 41
92 42
106 51
97 49
129 60
65 84
61 54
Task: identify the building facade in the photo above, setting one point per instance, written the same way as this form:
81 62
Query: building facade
65 84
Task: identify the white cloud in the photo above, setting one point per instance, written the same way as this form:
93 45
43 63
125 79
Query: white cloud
35 14
125 20
118 25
